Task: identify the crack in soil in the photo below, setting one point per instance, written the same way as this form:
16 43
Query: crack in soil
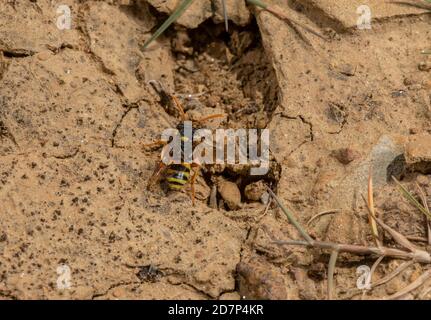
17 53
128 107
165 272
86 44
304 121
120 284
310 126
209 297
67 156
5 132
241 252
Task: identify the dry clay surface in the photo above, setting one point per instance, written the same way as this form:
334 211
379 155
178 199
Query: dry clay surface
76 106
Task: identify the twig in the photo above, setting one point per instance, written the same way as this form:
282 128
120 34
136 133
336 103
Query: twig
374 267
371 210
361 250
398 237
412 286
412 255
424 293
392 275
419 239
331 270
266 210
387 278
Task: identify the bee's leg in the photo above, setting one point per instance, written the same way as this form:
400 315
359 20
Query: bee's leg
213 116
193 180
179 108
157 143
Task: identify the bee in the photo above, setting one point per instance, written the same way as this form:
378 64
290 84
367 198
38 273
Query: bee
177 175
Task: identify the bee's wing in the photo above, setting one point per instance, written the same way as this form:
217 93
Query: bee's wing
161 166
155 177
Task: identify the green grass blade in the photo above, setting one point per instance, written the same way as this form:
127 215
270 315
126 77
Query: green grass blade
291 218
172 18
258 3
226 18
411 198
279 12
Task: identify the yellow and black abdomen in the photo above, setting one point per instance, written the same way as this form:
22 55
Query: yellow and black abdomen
178 175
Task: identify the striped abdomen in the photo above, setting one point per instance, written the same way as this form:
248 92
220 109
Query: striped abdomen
178 175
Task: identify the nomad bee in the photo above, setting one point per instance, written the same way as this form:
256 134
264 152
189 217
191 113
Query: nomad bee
178 175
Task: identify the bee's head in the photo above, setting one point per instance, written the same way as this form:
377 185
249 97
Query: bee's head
181 129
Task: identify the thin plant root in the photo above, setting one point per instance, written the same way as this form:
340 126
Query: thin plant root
265 211
320 214
374 267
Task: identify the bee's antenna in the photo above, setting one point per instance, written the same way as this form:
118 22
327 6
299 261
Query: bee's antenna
160 89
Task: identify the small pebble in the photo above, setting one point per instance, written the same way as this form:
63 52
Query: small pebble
255 190
230 194
265 198
347 70
44 55
424 66
345 155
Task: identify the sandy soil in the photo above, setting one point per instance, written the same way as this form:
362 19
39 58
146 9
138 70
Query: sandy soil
76 106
